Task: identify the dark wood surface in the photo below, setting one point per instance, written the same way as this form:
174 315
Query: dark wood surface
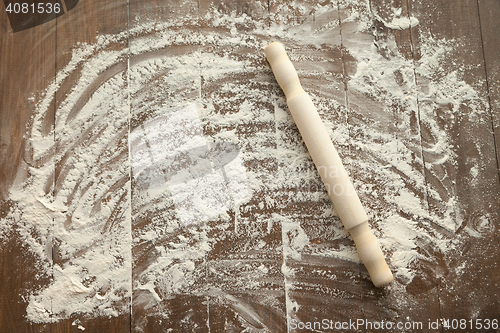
220 300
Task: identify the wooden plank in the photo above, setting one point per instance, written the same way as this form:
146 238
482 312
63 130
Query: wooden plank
20 79
32 74
392 22
83 25
50 48
245 264
466 181
488 15
164 81
384 144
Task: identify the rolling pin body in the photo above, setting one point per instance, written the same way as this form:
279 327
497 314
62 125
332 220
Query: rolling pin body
329 164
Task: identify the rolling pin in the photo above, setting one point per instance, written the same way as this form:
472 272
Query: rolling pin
329 164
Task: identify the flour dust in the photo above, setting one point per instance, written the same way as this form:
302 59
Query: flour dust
174 167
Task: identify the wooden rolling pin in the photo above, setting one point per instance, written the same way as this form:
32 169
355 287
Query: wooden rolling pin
329 164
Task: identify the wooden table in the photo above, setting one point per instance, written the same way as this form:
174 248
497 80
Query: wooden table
272 262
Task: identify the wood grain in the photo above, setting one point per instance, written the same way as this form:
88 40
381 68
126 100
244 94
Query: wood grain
240 243
252 244
425 280
170 310
22 75
488 12
83 24
474 143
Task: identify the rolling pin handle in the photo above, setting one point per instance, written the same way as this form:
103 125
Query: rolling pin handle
371 255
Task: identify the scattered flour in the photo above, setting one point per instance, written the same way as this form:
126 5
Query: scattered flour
399 23
93 226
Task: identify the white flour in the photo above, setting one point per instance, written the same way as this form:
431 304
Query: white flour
221 73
